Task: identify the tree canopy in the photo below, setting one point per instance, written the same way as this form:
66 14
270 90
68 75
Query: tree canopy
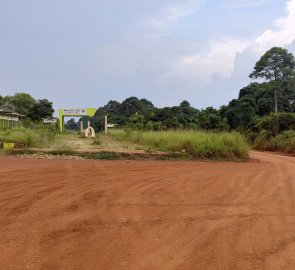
21 103
41 109
26 105
277 66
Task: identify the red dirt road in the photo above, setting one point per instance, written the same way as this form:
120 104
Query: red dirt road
60 214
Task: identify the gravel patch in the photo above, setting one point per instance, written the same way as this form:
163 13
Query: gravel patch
50 156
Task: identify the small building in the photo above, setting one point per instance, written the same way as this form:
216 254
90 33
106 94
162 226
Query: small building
9 118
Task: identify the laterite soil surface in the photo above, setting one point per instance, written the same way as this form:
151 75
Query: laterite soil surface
139 215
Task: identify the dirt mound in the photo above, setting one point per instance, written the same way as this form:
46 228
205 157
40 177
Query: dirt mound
68 214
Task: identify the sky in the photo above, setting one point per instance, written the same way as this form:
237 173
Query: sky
84 53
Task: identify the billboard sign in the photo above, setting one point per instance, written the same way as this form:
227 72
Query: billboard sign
75 112
50 121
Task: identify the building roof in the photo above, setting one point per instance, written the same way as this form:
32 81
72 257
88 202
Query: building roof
7 111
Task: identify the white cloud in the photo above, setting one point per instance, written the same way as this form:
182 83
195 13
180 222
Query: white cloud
282 35
199 68
181 63
219 58
171 14
242 3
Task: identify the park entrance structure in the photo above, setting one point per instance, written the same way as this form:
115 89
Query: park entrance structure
85 114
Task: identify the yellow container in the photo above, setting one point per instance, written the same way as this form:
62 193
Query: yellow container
8 145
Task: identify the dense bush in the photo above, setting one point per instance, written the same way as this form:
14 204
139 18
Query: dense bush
284 142
275 132
261 142
276 123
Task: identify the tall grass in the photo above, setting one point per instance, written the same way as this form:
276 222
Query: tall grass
197 144
28 137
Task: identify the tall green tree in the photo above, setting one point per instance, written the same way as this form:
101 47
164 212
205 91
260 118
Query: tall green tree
41 109
210 119
290 95
22 103
240 112
72 125
276 65
4 100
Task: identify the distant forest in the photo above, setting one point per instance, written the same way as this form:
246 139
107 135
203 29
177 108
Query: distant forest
255 101
252 109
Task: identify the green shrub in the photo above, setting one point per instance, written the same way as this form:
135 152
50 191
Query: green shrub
67 151
105 155
276 123
262 140
284 142
250 136
96 141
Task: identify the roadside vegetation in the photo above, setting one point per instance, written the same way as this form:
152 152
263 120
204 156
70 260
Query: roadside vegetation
264 113
27 137
275 132
194 144
284 142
